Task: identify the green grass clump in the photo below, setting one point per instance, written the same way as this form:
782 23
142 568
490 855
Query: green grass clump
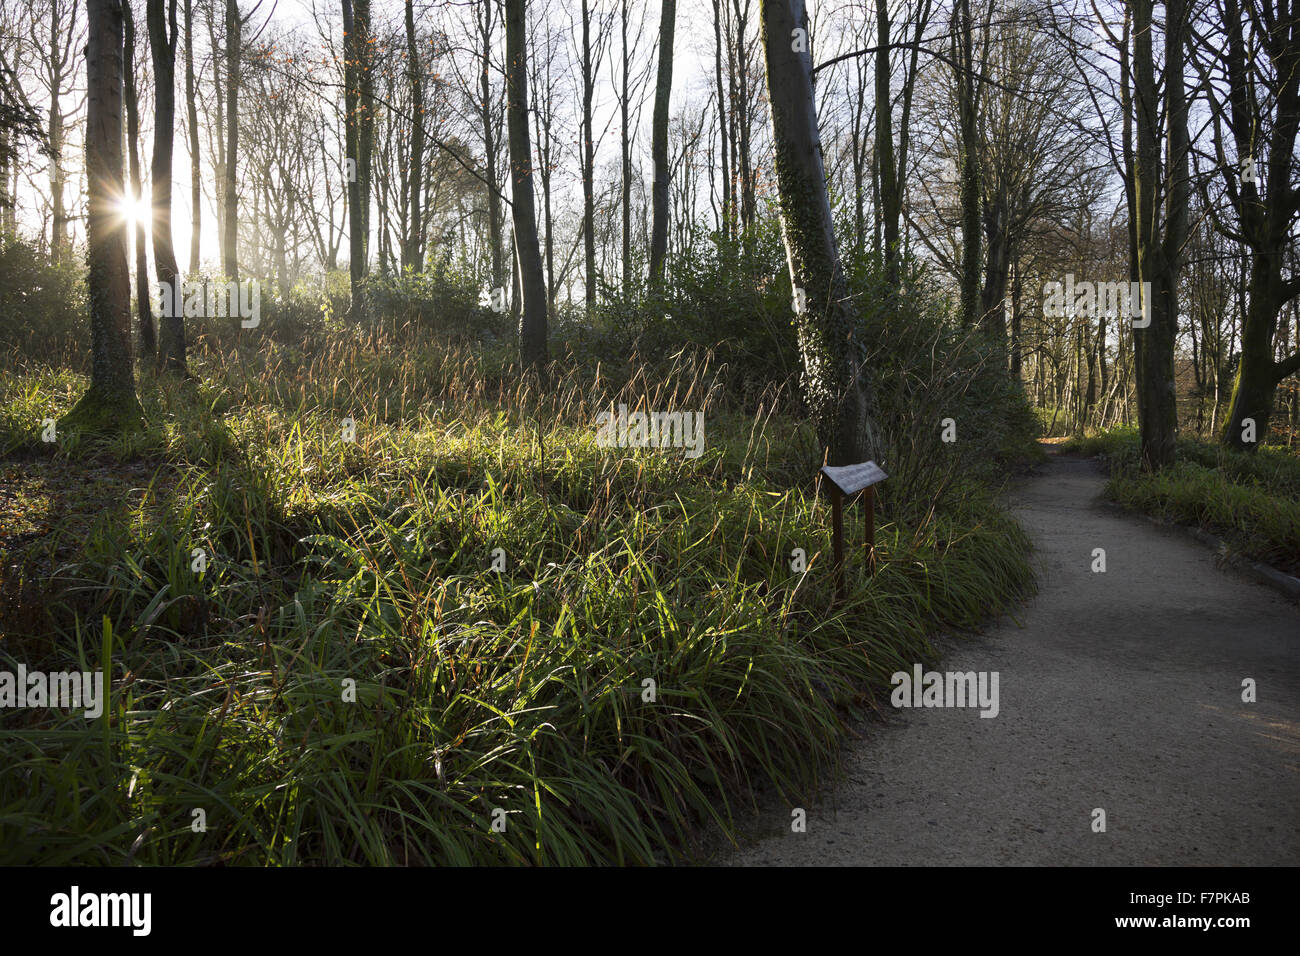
1252 501
348 681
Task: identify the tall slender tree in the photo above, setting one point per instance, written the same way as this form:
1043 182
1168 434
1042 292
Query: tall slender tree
1160 232
144 308
659 142
110 404
412 246
359 139
532 322
590 64
163 36
230 189
192 105
963 60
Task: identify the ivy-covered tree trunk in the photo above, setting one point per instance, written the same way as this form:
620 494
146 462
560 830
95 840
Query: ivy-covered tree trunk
110 403
835 381
532 322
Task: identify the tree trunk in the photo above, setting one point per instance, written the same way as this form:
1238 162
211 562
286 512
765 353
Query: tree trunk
54 133
1016 319
834 380
742 113
891 200
1258 375
968 111
230 240
994 294
1266 210
532 323
588 160
162 43
625 141
722 120
355 55
490 150
148 341
412 249
1158 249
659 146
191 102
110 403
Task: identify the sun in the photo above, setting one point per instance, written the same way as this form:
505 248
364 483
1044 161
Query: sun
138 212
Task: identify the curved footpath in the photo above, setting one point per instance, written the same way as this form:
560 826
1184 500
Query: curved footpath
1119 690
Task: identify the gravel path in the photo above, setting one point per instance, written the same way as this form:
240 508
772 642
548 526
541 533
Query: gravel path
1119 690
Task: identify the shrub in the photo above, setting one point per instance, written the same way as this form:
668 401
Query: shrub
43 307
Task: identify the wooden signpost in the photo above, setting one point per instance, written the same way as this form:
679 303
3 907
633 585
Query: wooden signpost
843 481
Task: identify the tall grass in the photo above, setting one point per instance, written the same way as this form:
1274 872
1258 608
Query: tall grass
1251 500
349 681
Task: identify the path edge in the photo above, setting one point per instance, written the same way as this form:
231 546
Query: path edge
1285 584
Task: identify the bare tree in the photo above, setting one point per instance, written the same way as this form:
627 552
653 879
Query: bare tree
1249 62
57 34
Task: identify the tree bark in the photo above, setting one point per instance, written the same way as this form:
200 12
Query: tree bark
191 100
532 323
1158 248
1266 209
144 309
412 249
891 200
162 43
491 149
625 141
659 145
835 383
230 240
726 216
110 403
588 159
968 111
357 145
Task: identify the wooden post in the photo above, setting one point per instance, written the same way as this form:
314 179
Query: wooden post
869 501
837 538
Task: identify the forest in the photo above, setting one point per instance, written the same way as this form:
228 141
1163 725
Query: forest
420 419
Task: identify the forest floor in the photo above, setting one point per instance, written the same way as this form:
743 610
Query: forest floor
1119 690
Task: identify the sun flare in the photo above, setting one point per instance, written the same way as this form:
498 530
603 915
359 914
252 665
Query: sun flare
137 212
